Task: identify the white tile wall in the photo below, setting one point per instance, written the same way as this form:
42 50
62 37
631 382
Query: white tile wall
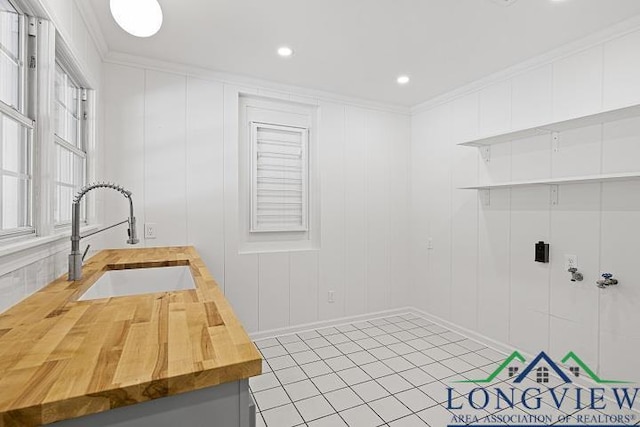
19 284
515 300
173 140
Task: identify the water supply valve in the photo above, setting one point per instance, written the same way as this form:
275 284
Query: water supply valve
606 281
576 276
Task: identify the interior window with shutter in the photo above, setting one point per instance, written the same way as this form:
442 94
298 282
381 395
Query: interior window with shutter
279 172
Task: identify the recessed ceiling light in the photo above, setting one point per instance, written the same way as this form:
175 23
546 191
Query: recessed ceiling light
285 51
140 18
403 80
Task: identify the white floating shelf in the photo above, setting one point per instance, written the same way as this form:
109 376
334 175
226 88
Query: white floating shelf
556 181
593 119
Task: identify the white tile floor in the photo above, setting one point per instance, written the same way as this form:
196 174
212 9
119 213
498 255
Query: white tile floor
391 371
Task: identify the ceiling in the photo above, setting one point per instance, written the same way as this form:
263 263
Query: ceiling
358 47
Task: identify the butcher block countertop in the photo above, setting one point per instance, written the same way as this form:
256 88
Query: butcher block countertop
61 358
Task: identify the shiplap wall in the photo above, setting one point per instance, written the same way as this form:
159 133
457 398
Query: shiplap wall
173 140
481 272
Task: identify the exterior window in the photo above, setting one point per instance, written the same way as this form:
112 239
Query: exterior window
542 375
16 128
70 151
10 57
279 187
513 370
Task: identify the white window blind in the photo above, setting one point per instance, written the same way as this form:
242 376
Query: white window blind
279 185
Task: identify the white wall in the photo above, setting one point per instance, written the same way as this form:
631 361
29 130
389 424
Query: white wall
481 273
173 140
69 21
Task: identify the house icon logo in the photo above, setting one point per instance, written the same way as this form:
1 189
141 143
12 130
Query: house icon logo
542 385
541 367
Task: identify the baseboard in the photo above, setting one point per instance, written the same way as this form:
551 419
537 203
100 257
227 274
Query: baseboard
482 339
327 323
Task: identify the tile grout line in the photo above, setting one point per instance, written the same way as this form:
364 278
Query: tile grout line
380 323
336 372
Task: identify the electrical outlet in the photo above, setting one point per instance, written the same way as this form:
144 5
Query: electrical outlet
570 261
331 297
429 243
150 230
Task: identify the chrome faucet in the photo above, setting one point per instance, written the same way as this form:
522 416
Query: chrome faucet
606 281
75 257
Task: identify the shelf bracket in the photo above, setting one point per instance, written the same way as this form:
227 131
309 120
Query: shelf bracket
485 197
554 195
555 141
485 152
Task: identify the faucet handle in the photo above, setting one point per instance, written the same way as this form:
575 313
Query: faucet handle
607 280
85 252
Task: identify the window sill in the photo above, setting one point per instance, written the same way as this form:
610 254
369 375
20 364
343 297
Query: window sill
22 252
276 247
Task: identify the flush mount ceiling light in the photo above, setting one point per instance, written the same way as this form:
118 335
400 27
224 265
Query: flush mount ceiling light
140 18
285 51
403 80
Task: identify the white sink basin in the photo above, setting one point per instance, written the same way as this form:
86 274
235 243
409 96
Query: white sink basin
117 283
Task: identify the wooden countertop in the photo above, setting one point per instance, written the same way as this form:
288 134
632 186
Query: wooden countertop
61 358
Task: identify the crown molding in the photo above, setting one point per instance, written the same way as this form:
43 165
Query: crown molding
610 33
277 89
88 15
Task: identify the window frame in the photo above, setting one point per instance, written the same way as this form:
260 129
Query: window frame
41 48
255 227
250 107
78 151
22 115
